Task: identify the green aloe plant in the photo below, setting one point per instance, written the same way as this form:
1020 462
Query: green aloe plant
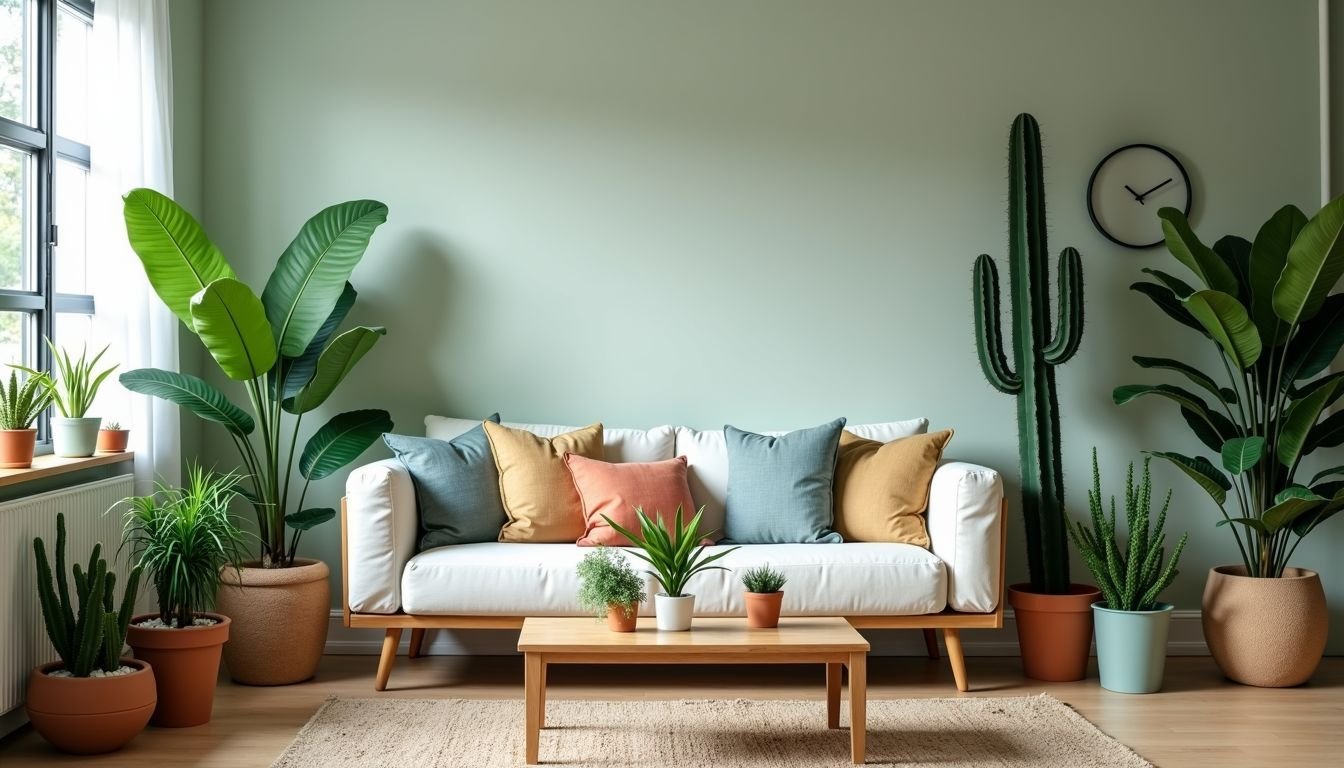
1268 309
21 404
676 553
75 390
282 346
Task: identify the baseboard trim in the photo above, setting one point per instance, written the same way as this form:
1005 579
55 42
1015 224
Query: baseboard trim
1186 639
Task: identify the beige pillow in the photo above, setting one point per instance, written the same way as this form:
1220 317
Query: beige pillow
882 489
538 494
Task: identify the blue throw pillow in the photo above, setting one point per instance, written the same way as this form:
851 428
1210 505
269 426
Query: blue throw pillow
780 488
456 486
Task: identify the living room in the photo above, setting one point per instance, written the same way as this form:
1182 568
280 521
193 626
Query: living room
964 386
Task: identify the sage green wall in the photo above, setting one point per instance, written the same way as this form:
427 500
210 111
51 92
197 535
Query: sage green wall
756 212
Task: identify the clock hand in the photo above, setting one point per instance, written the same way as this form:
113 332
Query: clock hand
1136 195
1154 189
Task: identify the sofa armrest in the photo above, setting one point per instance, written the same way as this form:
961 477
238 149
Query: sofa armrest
965 520
381 527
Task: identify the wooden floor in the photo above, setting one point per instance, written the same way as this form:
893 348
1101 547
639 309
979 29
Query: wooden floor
1200 720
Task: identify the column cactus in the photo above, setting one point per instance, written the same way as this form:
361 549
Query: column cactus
1036 352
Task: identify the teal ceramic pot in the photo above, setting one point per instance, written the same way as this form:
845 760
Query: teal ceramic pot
1132 647
74 438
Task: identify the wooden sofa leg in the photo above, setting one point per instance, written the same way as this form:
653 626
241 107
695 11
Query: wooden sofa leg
389 657
954 655
417 642
931 642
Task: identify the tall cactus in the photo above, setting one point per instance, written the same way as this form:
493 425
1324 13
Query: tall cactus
1036 352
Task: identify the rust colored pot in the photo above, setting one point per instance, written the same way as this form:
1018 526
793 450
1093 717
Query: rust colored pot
618 620
279 618
16 448
186 666
763 609
113 441
90 715
1054 632
1265 632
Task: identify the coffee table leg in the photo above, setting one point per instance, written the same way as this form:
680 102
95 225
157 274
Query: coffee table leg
541 705
534 685
833 695
858 706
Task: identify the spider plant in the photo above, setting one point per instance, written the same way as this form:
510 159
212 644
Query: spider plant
676 554
21 404
78 384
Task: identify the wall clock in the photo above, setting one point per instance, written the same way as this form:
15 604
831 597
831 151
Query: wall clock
1129 186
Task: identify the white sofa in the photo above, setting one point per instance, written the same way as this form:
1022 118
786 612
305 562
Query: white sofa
956 584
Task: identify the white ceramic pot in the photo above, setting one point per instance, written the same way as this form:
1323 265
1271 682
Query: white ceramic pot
74 438
673 614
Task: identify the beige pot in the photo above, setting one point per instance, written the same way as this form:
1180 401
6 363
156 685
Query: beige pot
279 621
1265 632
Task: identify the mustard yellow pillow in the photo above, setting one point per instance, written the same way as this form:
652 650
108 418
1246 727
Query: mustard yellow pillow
882 489
539 496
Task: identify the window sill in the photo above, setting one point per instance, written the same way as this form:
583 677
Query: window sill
50 466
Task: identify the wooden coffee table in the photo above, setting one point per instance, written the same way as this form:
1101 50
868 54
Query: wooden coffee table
802 640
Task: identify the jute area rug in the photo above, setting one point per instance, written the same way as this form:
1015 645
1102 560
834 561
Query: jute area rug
1034 731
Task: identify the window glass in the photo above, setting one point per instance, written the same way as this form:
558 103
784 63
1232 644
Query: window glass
17 239
72 76
70 259
17 24
16 340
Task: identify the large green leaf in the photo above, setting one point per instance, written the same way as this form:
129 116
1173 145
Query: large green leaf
1297 424
231 322
191 393
1167 301
1177 285
312 272
1184 397
1286 510
298 371
341 441
1311 386
1269 253
1242 453
336 361
309 518
1236 254
1228 322
1190 372
1331 472
1212 428
1327 434
1317 342
1195 255
1199 469
1314 264
178 257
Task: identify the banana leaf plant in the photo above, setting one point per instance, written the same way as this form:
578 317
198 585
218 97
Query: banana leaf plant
1266 306
283 347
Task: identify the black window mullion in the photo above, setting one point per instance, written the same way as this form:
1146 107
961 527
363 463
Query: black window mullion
46 123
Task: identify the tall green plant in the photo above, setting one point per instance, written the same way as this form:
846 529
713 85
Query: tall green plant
676 553
75 390
1266 306
282 346
21 404
1036 351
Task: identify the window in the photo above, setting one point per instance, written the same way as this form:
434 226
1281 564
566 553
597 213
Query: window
44 176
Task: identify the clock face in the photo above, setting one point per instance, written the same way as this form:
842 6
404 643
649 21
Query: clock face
1128 188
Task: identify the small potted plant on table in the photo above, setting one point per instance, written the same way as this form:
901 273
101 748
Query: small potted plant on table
764 595
74 434
611 588
112 438
1131 625
20 405
184 538
676 555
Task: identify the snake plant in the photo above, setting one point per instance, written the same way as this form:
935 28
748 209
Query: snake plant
676 553
21 404
74 392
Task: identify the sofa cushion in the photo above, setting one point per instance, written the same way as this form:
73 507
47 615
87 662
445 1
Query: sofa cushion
456 486
614 490
882 489
780 487
538 494
539 580
656 444
706 454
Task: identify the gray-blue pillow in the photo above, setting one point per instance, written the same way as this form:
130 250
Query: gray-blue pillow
780 488
456 486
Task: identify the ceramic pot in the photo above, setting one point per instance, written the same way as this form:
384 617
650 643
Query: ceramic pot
186 665
1132 647
1265 632
1054 632
622 618
673 614
16 448
74 438
763 609
113 440
279 627
90 715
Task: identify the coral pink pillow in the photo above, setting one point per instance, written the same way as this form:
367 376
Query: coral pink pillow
615 490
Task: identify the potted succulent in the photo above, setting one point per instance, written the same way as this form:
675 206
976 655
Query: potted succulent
112 438
183 538
74 434
1266 306
676 554
764 596
92 700
283 347
611 588
20 405
1131 624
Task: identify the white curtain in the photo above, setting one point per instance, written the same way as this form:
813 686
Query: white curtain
132 146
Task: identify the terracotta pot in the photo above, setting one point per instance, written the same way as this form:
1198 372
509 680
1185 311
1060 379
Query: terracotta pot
186 665
1265 632
16 448
90 715
618 620
113 440
763 609
279 618
1054 632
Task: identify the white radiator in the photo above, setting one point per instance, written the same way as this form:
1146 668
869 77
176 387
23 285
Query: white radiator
23 639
